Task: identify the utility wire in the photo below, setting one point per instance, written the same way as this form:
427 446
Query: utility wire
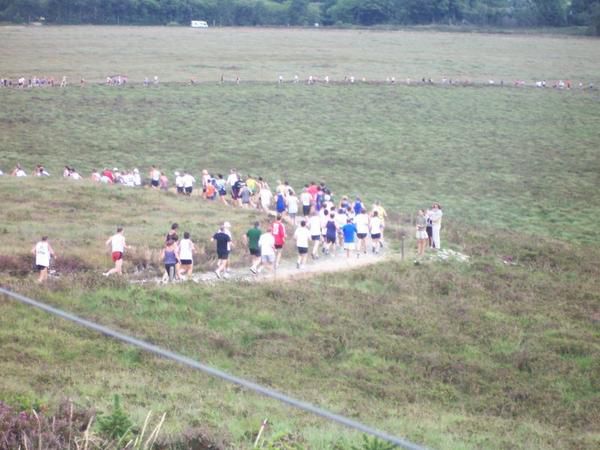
299 404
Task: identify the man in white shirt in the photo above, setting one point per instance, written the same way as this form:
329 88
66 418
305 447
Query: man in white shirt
375 228
305 199
118 246
186 252
362 229
43 252
315 233
179 182
267 249
188 183
302 237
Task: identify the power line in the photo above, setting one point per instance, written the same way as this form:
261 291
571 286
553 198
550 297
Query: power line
299 404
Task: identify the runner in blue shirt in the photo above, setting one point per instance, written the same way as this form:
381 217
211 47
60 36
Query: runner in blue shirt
349 231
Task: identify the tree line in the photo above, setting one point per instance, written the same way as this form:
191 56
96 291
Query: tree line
502 13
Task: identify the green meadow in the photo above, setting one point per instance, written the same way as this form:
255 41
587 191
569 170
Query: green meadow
502 352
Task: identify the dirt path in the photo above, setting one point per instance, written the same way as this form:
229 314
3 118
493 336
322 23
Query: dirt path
288 270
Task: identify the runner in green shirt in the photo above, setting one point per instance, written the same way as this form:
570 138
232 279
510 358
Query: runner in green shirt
252 237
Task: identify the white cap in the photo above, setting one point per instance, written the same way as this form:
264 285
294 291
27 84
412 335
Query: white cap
226 225
176 173
115 170
136 171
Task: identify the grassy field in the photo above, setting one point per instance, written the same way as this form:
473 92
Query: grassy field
479 355
520 159
181 53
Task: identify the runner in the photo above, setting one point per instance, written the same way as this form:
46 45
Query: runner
302 237
187 249
227 231
265 197
278 231
118 246
252 237
362 229
172 234
349 232
292 206
169 257
382 213
315 233
154 175
305 199
330 234
179 182
223 241
375 231
188 183
267 249
421 233
43 252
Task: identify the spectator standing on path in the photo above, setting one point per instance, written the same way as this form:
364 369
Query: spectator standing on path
223 241
186 252
436 224
118 246
252 237
302 237
278 231
267 249
428 228
421 236
43 252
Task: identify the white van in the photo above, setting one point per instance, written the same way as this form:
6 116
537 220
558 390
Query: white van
199 24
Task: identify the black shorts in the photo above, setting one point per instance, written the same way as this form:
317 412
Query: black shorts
316 238
361 235
278 246
306 209
180 189
154 183
302 250
255 251
40 268
186 262
168 267
376 236
223 255
429 230
188 190
330 239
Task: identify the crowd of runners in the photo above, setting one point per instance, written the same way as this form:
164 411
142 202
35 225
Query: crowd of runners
29 82
318 225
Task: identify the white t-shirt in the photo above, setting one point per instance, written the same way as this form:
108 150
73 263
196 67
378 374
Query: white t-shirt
185 249
436 216
341 219
362 223
118 243
155 174
315 225
292 204
266 242
188 181
137 179
42 254
232 178
20 173
179 181
375 225
305 198
265 196
302 236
